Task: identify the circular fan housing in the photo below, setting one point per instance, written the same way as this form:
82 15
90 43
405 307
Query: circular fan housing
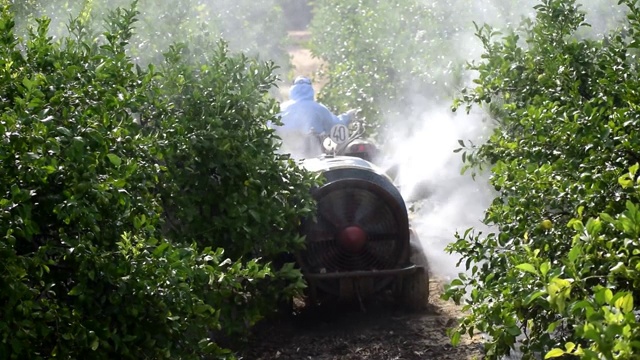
361 225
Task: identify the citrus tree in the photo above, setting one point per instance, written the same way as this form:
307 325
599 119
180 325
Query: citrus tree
94 148
373 50
393 58
223 184
257 29
560 274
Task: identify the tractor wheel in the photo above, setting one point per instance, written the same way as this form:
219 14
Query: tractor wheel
413 292
285 307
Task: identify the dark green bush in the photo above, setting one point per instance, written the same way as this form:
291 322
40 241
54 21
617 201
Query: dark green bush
225 186
92 148
561 270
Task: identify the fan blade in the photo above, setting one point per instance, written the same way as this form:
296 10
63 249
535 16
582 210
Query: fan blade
336 203
330 216
384 236
319 234
371 210
353 202
374 260
363 203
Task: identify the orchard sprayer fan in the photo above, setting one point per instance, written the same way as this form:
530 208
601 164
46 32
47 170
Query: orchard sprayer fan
360 242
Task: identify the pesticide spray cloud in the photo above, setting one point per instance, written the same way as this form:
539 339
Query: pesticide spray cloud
444 201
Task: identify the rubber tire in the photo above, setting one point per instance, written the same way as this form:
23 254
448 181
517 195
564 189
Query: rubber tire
414 289
413 293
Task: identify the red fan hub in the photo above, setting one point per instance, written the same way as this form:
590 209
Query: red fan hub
352 238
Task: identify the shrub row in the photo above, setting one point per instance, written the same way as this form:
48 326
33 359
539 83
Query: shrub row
140 206
561 272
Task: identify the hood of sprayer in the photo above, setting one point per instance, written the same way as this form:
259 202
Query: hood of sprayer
327 163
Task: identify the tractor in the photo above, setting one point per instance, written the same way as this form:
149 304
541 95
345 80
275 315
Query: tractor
360 242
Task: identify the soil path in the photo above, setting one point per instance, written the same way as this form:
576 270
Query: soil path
304 64
380 331
302 59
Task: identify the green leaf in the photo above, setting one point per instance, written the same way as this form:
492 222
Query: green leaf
607 218
94 344
608 296
64 131
574 253
533 296
513 330
49 169
455 338
138 221
74 291
625 303
160 249
554 353
114 159
594 226
27 83
618 268
527 267
544 268
626 181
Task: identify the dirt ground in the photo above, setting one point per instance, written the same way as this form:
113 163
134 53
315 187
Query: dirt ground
303 61
380 330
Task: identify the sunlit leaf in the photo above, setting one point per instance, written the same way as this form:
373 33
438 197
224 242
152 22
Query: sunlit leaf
114 159
554 353
527 267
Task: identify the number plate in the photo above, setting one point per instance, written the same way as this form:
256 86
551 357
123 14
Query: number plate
339 134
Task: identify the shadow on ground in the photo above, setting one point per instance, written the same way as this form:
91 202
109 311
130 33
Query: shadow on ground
381 331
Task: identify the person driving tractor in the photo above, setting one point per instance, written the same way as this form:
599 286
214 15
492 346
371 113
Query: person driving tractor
304 120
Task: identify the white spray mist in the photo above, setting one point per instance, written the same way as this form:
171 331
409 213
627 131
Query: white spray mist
443 200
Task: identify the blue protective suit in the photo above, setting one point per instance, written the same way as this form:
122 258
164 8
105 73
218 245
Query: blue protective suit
301 116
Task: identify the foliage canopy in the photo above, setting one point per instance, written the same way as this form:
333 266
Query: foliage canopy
561 272
97 155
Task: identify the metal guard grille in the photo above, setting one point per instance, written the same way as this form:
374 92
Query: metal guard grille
354 203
